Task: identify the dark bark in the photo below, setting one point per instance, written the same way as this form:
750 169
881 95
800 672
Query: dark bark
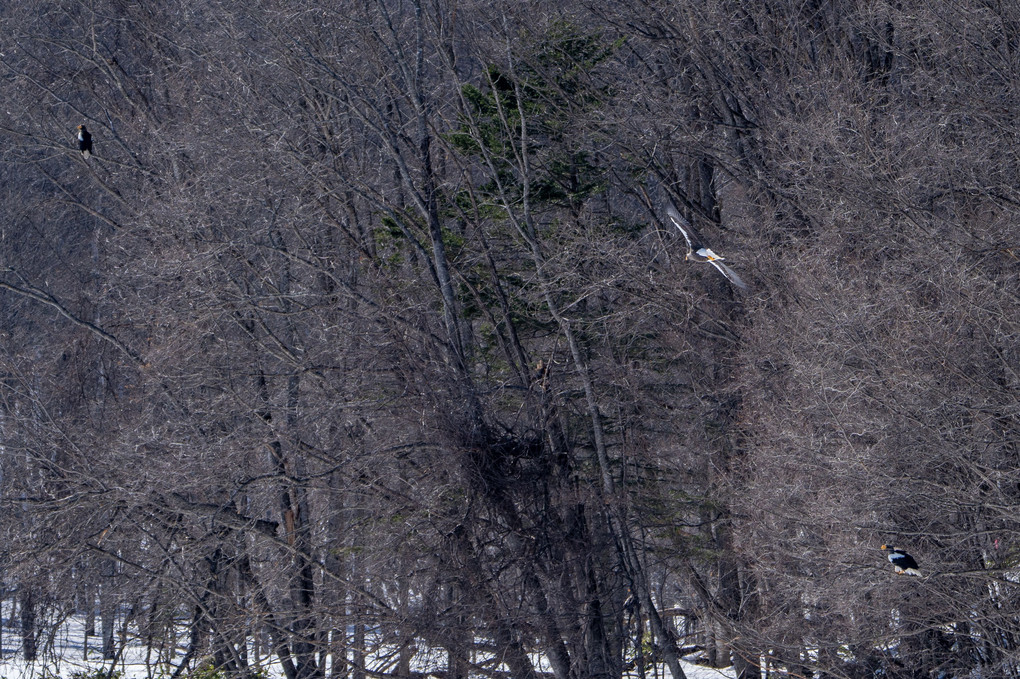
26 603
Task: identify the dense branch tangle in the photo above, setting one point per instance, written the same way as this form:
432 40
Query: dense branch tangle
360 343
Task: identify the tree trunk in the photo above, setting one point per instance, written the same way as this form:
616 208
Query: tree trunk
339 666
107 615
359 650
28 625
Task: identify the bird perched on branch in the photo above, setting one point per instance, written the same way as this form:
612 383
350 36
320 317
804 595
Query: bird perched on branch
696 252
84 142
901 561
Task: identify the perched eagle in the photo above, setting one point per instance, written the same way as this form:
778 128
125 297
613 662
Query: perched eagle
901 561
696 252
84 142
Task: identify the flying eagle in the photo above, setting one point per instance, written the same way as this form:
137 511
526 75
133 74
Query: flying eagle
84 142
901 561
696 252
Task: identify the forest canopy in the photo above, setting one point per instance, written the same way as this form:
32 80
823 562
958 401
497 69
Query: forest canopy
364 330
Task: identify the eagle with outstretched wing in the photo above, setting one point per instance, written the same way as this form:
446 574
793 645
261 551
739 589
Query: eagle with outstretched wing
696 252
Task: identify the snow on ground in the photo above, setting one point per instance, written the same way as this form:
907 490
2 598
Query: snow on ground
135 668
63 656
701 672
